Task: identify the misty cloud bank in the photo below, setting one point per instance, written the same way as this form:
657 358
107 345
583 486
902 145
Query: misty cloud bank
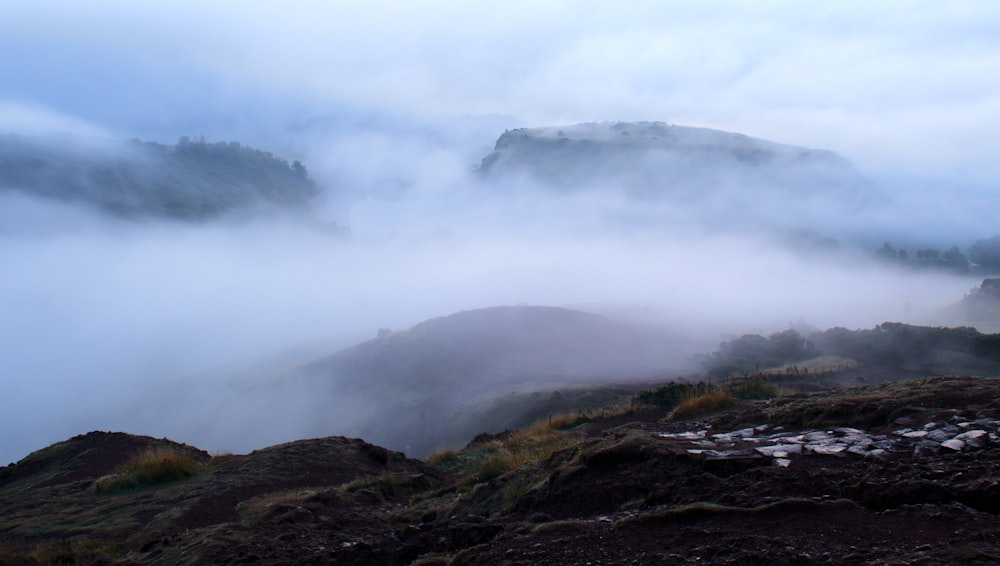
191 330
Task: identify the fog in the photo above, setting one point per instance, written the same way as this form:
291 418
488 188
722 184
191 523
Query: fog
191 330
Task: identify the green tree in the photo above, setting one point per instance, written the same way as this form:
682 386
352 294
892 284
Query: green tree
954 259
986 253
887 252
928 255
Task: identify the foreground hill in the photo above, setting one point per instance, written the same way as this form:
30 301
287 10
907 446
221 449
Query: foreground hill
417 383
902 472
655 159
192 180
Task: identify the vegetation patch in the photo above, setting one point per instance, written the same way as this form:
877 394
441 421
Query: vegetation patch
498 464
444 457
483 461
708 402
383 485
153 466
668 395
72 551
755 389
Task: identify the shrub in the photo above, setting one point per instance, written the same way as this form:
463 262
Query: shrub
666 396
536 442
564 421
754 389
498 464
152 466
515 489
701 404
443 457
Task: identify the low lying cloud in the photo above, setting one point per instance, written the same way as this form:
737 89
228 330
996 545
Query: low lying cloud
103 323
36 120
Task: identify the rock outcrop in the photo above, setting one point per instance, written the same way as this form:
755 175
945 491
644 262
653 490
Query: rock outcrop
781 446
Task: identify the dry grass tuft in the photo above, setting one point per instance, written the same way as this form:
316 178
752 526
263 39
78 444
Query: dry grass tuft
72 551
536 442
442 457
562 421
152 466
498 464
383 485
754 389
704 403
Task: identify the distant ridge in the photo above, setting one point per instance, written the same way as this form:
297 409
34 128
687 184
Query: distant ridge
192 180
656 158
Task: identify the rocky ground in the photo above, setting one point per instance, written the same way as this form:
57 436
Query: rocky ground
899 473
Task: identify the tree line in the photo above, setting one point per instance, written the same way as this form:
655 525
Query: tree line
983 255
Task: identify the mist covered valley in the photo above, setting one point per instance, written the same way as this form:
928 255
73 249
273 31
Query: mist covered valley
209 328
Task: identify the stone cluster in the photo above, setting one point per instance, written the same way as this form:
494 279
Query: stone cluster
780 445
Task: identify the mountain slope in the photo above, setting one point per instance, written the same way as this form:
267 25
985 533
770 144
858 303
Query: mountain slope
413 383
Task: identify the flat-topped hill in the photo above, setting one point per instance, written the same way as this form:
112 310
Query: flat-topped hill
659 159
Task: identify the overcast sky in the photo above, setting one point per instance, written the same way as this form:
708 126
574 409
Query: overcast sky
887 83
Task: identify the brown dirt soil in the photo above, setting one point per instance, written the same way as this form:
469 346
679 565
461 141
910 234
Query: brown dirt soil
625 494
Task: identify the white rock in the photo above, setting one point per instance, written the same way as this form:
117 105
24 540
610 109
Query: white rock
730 454
816 436
916 434
781 462
954 444
973 434
975 439
779 450
826 449
858 440
689 435
847 430
877 454
858 449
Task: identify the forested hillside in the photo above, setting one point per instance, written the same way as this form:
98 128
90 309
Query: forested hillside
192 180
